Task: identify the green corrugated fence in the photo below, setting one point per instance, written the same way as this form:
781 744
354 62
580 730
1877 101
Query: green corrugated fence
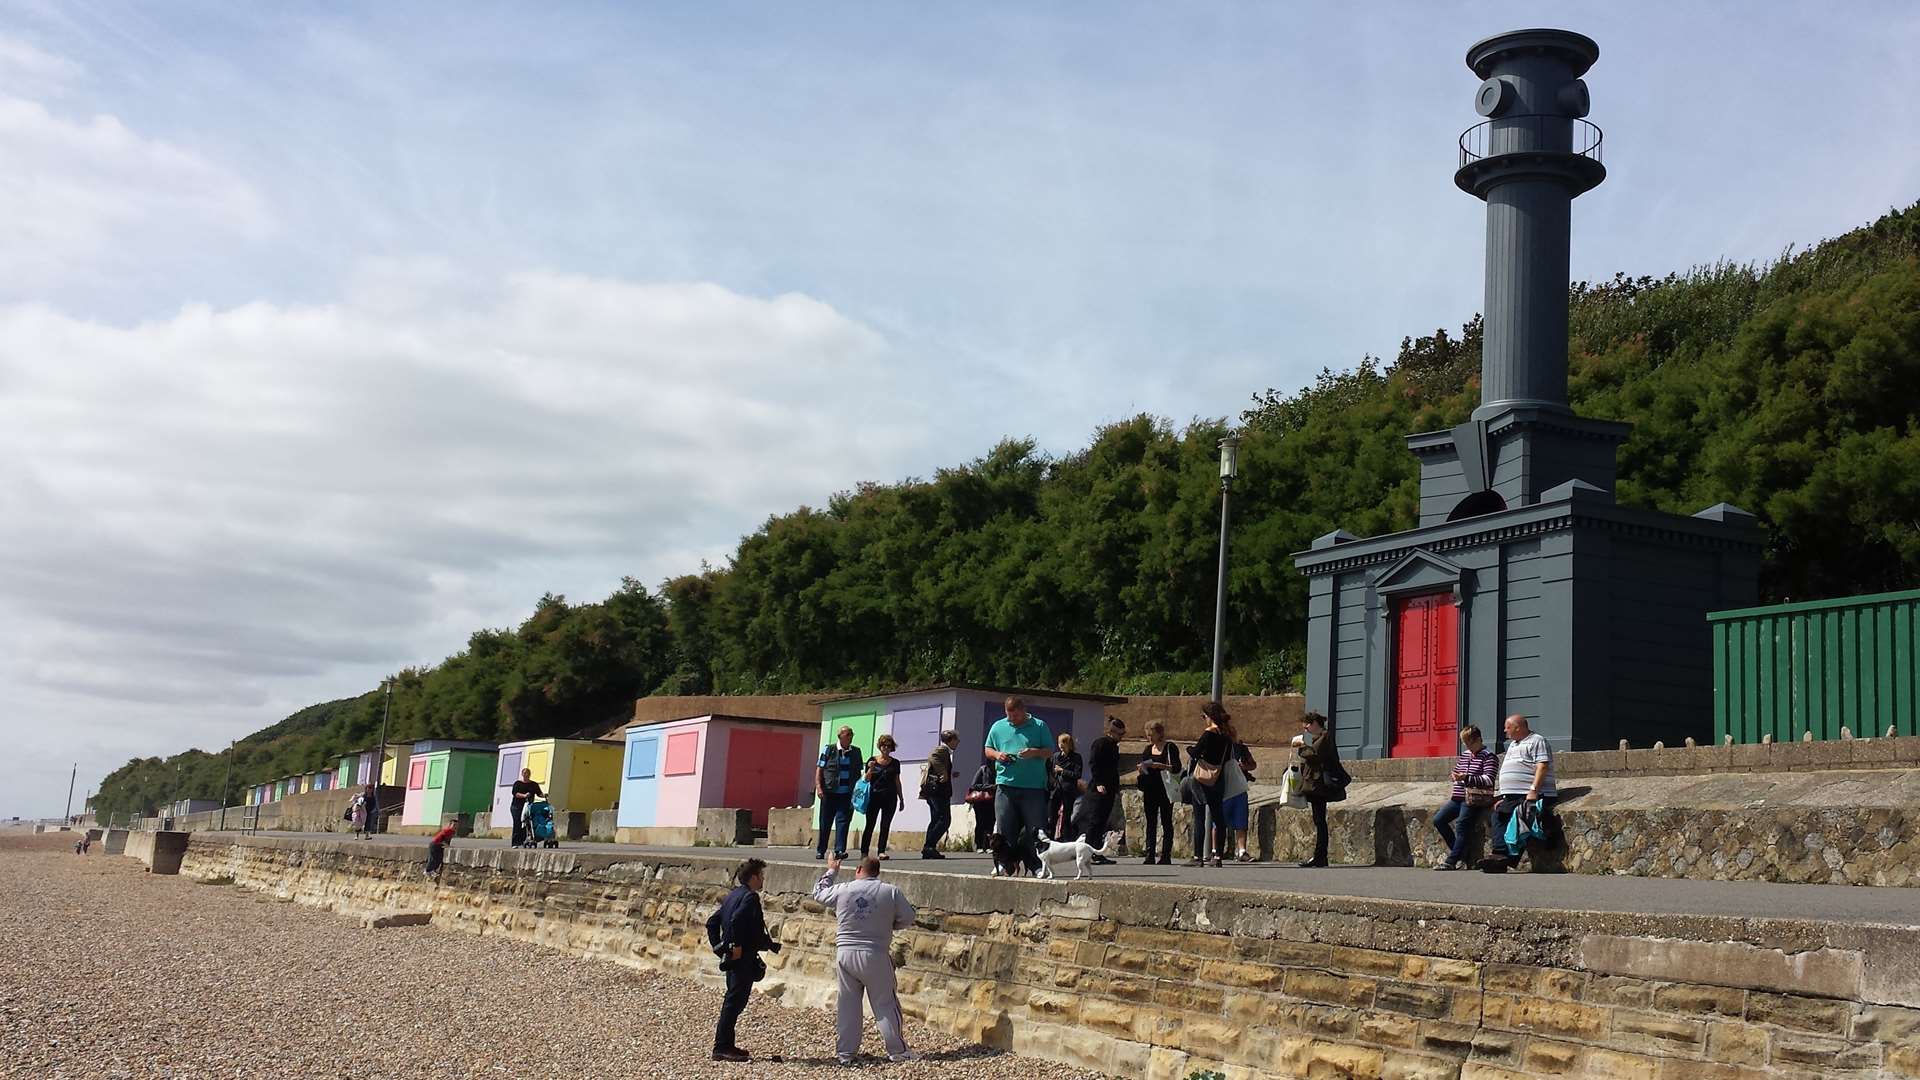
1819 666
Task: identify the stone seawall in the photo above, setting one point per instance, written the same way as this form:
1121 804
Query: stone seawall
1163 980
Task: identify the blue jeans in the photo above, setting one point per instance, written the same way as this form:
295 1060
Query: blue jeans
1017 808
1455 823
836 813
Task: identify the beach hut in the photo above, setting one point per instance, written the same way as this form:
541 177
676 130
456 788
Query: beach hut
578 775
674 768
447 776
393 764
915 719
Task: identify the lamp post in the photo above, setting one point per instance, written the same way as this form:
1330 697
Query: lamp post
226 787
1229 468
380 764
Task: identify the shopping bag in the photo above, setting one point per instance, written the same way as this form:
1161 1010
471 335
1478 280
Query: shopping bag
1290 788
862 795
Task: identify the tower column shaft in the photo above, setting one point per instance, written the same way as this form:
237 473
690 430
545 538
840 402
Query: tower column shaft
1524 354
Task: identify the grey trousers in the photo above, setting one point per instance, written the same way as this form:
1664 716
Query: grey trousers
866 971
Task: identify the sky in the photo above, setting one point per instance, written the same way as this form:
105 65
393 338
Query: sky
332 333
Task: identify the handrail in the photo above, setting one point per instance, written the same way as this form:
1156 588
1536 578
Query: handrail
1530 133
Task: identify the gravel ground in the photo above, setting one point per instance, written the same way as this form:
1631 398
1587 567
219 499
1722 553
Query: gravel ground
110 972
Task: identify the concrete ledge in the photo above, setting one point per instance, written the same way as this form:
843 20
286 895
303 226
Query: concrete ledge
160 851
602 825
114 842
1900 751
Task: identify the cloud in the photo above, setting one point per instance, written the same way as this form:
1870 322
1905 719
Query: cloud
208 509
81 197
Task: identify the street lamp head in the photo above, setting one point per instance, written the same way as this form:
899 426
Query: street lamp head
1229 456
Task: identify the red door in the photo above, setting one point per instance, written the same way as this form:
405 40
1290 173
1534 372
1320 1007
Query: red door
1426 676
763 770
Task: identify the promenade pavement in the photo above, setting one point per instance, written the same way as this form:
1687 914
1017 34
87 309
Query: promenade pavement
1559 892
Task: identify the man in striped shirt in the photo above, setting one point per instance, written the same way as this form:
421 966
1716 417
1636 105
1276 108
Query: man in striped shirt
1473 776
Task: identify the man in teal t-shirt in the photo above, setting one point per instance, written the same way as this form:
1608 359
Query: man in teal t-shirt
1019 745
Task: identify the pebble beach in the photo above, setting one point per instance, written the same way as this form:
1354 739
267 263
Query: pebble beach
115 973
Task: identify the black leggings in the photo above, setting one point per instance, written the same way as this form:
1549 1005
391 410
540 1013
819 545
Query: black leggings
885 813
1209 807
1159 812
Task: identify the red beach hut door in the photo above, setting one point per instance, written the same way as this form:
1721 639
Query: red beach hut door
763 770
1426 685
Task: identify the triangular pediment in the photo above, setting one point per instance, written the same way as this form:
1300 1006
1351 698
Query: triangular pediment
1419 571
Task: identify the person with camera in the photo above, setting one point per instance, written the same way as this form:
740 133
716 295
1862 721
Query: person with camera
738 933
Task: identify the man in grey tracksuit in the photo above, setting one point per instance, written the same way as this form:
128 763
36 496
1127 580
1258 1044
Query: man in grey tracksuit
869 911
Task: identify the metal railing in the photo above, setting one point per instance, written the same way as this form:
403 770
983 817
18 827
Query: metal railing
1530 133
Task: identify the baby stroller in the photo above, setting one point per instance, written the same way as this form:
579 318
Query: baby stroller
540 824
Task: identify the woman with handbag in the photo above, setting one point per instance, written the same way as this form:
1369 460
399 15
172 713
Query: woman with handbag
883 793
1204 789
1064 770
1322 778
980 796
1159 781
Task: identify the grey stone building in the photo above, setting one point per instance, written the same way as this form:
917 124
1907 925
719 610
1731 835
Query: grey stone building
1526 588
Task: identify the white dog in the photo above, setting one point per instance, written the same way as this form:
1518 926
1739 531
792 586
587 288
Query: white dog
1056 853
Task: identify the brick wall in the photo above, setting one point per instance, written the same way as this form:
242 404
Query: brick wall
1160 980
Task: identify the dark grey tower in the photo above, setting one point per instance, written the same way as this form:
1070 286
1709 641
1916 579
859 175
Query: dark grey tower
1534 154
1525 588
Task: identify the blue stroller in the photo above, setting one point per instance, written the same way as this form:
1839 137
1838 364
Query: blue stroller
540 824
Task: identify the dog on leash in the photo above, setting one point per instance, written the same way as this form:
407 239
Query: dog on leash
1013 857
1056 854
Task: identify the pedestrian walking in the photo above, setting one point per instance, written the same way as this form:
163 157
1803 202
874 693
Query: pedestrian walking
1019 745
1322 778
936 788
981 795
1157 765
1203 787
1525 782
525 790
884 795
1102 788
868 911
1472 794
1064 772
833 780
357 812
737 931
373 812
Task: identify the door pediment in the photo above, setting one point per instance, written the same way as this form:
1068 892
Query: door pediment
1421 571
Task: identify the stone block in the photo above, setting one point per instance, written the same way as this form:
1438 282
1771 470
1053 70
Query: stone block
1655 1032
1834 754
1824 972
1412 999
1329 989
1540 1016
724 827
1736 1043
1697 1000
1800 1013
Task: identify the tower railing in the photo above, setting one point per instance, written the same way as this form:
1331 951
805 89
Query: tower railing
1530 133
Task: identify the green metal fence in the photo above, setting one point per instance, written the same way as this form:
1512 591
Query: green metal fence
1818 666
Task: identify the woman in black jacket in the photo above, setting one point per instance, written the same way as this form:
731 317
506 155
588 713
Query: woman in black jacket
1162 759
1064 770
1205 787
1322 778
